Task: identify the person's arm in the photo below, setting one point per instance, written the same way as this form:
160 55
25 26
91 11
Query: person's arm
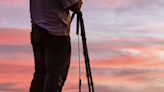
76 7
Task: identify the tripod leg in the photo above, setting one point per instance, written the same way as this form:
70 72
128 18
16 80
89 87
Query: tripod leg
88 70
85 52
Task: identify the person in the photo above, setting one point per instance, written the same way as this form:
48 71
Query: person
51 42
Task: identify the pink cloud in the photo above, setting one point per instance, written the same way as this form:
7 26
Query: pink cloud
11 1
150 28
22 76
20 73
21 80
14 36
141 57
126 56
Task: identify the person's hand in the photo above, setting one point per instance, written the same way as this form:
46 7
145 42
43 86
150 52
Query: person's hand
76 7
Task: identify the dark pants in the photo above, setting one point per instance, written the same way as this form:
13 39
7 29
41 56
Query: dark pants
52 60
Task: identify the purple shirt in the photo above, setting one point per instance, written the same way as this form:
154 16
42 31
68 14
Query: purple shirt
52 15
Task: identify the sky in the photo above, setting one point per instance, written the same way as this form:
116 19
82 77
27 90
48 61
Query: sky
124 38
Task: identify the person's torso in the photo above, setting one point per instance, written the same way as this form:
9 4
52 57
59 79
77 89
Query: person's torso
50 15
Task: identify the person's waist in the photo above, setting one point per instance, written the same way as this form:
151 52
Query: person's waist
33 24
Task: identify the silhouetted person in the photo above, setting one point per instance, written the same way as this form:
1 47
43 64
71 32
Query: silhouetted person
51 42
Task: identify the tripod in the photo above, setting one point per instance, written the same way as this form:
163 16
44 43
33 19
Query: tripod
85 51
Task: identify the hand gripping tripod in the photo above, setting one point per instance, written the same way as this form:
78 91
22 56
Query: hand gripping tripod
85 51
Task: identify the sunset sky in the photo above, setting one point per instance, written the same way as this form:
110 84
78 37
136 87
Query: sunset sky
125 41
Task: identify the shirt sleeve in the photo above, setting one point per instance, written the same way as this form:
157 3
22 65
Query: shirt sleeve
68 3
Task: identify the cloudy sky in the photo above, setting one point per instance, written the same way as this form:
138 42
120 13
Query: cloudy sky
125 42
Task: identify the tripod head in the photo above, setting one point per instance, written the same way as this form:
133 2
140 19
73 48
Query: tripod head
79 20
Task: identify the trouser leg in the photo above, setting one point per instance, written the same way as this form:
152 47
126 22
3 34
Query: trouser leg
57 57
37 83
52 60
